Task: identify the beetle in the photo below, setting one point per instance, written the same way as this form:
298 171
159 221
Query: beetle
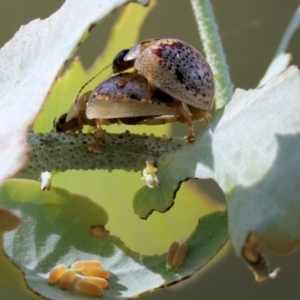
110 103
174 67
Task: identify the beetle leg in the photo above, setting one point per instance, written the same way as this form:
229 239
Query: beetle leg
147 98
207 117
199 114
101 136
122 82
186 118
191 136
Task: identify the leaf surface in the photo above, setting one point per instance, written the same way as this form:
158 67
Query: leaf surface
56 228
251 149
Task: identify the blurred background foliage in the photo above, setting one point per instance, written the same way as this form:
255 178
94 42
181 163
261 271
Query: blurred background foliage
251 32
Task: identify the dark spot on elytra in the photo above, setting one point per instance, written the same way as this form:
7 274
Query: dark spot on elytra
179 76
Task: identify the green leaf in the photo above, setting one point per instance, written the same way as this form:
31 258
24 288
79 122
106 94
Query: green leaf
251 149
56 229
30 62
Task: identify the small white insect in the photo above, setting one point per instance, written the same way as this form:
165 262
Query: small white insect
46 181
149 176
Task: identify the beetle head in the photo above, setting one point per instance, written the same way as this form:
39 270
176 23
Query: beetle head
119 65
60 123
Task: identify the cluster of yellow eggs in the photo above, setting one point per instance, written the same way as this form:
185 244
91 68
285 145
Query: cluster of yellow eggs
87 276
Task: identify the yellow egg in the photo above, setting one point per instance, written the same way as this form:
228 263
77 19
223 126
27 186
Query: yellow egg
67 279
56 273
80 264
103 283
88 288
95 272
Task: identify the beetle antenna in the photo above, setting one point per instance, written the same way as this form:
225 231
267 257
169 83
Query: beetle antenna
91 80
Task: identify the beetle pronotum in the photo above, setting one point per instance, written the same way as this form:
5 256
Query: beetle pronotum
76 118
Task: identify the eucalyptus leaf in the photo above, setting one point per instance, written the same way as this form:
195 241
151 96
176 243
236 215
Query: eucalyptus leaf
251 149
56 228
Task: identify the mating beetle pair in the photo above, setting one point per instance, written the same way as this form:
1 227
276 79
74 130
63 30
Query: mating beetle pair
171 82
